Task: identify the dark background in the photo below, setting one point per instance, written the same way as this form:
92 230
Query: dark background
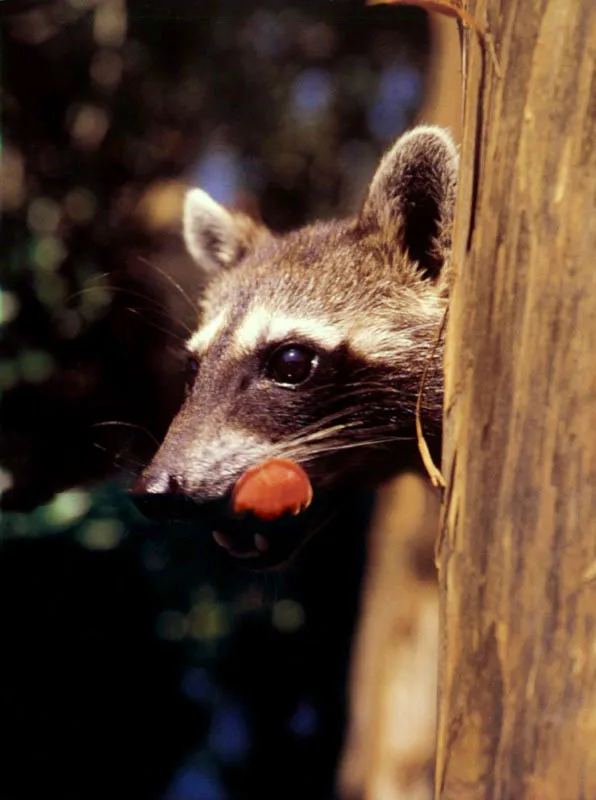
136 661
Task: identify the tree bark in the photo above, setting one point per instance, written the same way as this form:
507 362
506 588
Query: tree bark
517 714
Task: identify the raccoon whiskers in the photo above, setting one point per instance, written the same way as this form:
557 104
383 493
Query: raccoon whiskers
127 425
116 290
124 463
371 387
404 397
299 443
162 312
307 454
318 430
172 282
180 339
158 308
326 441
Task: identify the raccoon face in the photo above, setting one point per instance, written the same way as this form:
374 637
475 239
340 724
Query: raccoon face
311 347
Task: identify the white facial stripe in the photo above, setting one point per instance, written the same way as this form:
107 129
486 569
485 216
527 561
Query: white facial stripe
252 329
379 345
207 334
262 326
320 332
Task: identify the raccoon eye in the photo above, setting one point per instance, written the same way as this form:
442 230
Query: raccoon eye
291 364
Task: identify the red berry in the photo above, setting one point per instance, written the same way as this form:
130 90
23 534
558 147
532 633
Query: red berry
271 489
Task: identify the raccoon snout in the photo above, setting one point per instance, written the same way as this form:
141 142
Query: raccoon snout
161 496
158 483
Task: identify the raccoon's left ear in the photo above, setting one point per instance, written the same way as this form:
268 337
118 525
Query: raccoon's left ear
412 195
215 237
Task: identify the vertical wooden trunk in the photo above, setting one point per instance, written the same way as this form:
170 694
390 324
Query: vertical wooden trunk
518 552
390 747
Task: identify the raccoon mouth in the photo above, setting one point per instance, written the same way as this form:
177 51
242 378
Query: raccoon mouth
231 545
264 545
258 544
275 490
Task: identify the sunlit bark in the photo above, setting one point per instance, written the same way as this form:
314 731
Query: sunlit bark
518 556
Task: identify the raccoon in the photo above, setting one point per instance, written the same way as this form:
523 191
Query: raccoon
311 346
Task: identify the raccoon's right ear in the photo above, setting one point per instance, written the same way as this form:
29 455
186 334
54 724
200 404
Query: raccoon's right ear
215 237
412 195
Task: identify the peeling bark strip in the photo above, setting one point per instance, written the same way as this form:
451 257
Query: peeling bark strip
518 558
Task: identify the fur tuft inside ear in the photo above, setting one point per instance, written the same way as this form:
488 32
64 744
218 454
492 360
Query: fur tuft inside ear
412 195
209 232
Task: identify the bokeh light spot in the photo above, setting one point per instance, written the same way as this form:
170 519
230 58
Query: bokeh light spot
198 685
66 508
172 626
9 307
218 173
49 252
9 374
6 481
89 126
43 215
288 616
106 69
303 722
80 205
35 366
207 620
194 783
109 24
229 736
311 93
101 534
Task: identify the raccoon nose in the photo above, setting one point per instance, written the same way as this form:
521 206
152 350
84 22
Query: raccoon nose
161 497
175 485
158 483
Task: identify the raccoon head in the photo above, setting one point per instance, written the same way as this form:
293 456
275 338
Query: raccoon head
311 346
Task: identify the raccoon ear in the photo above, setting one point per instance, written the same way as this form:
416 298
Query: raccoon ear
412 195
210 232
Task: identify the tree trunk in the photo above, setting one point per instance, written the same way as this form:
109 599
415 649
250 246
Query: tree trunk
517 716
390 747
